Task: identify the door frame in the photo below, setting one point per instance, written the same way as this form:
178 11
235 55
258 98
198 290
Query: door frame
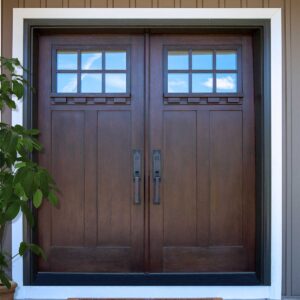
262 21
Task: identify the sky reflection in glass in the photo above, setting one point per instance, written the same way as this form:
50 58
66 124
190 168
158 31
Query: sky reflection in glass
66 60
226 60
91 83
202 60
91 60
178 60
115 83
66 83
202 83
115 60
226 83
178 83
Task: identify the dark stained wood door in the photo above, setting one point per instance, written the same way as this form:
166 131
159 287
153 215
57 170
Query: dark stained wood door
89 133
202 121
196 193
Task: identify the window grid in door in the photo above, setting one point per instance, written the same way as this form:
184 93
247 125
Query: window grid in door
221 78
107 75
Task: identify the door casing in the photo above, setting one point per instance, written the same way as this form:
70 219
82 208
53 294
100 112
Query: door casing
261 39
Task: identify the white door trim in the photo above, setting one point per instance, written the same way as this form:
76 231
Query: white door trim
229 292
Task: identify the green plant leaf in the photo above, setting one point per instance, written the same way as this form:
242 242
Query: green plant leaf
6 138
8 64
17 89
6 193
4 279
12 147
53 198
37 146
19 129
3 261
37 250
32 131
28 214
22 248
2 159
20 164
27 144
10 103
37 198
44 183
19 191
28 183
5 86
12 211
20 174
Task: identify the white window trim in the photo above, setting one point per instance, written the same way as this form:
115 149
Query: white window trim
228 292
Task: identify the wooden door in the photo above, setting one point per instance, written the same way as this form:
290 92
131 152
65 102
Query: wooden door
192 208
91 118
202 205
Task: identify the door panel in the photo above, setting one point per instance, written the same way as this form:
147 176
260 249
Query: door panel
179 191
114 178
64 122
89 139
205 221
226 178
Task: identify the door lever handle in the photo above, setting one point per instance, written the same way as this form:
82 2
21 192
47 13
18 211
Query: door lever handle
156 169
137 175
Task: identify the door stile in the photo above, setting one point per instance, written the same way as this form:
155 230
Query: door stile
90 187
156 137
249 186
138 129
146 149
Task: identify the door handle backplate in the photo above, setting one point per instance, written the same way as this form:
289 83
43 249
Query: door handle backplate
137 166
156 170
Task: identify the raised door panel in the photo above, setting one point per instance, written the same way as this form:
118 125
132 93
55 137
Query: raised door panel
67 137
226 167
114 178
179 188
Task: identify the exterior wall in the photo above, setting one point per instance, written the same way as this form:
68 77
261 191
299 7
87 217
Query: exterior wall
291 50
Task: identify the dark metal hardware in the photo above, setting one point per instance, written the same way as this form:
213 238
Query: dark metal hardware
137 166
156 169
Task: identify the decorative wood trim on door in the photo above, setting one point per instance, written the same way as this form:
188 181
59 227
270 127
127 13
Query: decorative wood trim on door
90 100
231 100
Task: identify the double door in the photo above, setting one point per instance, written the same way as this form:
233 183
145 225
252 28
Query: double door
150 139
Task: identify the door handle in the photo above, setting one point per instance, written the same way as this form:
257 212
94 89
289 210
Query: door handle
137 175
156 169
